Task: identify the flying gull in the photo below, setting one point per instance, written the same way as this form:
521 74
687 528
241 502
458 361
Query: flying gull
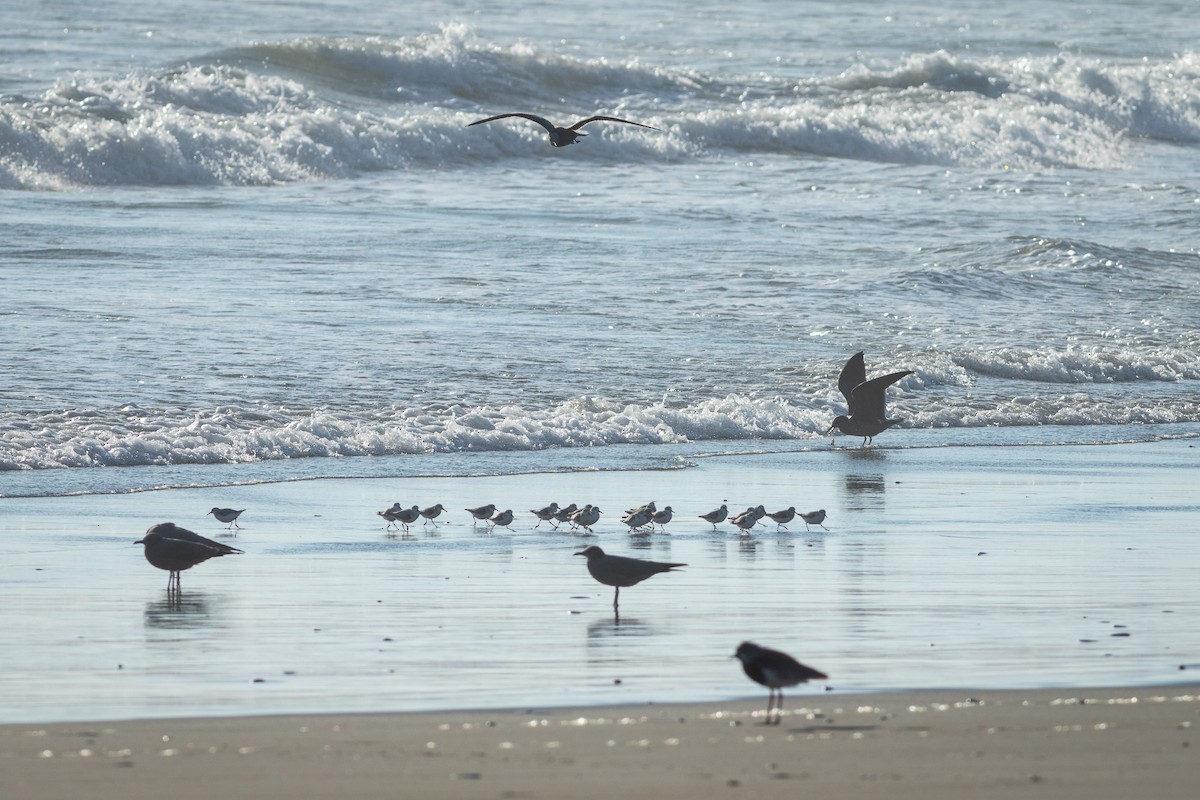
561 137
864 400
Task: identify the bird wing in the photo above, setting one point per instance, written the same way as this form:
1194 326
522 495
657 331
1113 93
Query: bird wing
625 571
867 399
602 118
545 123
169 530
854 373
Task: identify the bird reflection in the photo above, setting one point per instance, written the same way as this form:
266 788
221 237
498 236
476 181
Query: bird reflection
864 491
603 631
179 611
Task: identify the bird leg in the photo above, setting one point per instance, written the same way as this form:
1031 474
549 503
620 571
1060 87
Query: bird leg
616 596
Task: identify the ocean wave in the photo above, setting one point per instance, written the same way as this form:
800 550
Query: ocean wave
1022 267
944 393
323 108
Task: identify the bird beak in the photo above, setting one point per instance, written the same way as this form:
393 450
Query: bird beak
579 553
140 541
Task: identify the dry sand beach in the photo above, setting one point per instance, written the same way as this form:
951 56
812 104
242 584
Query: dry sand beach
1096 744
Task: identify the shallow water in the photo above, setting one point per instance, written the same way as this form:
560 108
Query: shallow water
261 260
1009 567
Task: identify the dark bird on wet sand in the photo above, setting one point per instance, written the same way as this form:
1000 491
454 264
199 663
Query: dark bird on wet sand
774 670
561 137
618 571
864 400
227 515
174 549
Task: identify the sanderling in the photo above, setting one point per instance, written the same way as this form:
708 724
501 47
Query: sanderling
781 518
227 515
716 515
814 518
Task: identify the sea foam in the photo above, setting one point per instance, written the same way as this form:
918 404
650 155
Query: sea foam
313 109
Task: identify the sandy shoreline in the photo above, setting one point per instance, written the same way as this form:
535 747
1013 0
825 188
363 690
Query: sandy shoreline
1094 743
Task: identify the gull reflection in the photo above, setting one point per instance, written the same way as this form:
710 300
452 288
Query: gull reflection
178 611
604 631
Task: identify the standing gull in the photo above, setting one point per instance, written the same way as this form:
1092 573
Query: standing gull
618 571
227 515
561 137
174 549
774 670
864 400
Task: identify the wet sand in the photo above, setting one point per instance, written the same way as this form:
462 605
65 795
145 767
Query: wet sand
995 567
1096 744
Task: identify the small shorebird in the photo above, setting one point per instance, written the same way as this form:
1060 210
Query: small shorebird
648 507
636 520
432 513
774 670
814 518
745 521
586 517
390 515
716 515
782 518
482 514
661 518
545 514
227 515
564 514
618 571
864 400
174 549
502 519
561 137
406 516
